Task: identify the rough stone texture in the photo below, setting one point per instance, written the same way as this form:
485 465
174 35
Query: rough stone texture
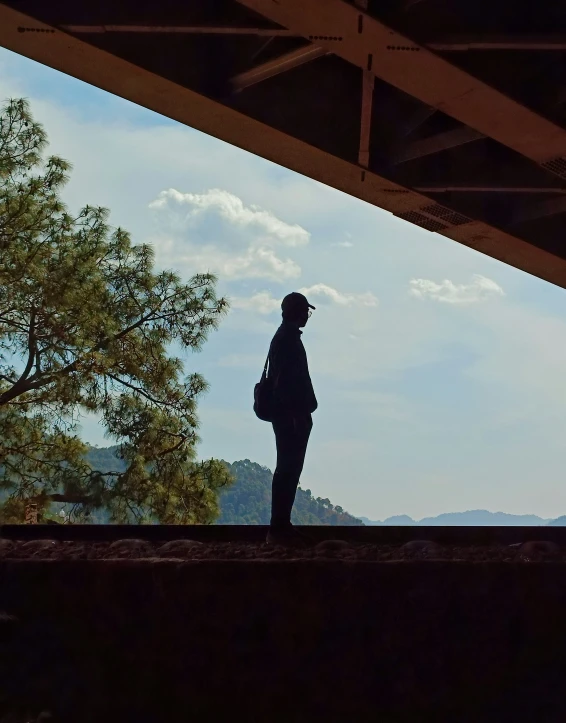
129 548
538 549
6 547
338 549
6 618
424 546
178 548
333 546
40 548
287 640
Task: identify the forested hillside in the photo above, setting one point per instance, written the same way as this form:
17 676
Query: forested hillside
248 500
104 459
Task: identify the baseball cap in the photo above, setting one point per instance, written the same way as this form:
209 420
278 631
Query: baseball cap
295 301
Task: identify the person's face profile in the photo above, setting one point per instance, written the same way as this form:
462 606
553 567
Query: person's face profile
304 317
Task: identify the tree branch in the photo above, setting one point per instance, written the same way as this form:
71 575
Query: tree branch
136 389
175 447
71 499
31 351
36 382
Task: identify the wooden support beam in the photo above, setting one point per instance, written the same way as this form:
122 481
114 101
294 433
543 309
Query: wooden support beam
420 116
371 45
463 43
368 80
437 143
276 66
177 29
543 209
440 188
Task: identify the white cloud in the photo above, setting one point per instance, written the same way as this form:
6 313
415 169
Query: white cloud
228 206
263 303
258 263
343 244
216 231
322 291
479 289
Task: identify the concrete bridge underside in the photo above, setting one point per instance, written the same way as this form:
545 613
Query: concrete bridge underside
450 115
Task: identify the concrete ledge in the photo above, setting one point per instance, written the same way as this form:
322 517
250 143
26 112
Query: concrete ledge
378 535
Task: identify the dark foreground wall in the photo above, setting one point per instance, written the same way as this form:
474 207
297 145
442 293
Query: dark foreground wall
263 640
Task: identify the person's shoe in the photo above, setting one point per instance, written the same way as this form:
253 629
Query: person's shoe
287 537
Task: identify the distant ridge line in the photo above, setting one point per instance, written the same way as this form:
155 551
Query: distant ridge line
469 518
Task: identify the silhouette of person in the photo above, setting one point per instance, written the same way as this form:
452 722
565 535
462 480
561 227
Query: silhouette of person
294 402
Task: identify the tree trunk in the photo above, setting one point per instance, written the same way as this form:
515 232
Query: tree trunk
31 513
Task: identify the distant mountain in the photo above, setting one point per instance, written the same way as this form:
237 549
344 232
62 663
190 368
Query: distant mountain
470 518
397 520
558 522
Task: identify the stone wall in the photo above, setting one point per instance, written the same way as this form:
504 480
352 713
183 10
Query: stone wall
291 640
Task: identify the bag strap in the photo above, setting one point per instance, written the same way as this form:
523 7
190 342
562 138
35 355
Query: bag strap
266 362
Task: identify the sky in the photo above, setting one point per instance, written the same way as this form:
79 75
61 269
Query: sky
440 373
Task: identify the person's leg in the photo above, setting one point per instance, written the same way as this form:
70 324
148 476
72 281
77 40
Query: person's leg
291 439
302 434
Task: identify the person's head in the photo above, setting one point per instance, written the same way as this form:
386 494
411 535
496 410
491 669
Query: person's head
296 309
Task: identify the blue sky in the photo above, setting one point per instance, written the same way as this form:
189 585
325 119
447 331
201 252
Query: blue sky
439 371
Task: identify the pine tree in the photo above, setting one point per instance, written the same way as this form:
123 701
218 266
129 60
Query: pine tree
87 323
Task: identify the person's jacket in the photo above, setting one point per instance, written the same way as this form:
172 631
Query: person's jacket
288 368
